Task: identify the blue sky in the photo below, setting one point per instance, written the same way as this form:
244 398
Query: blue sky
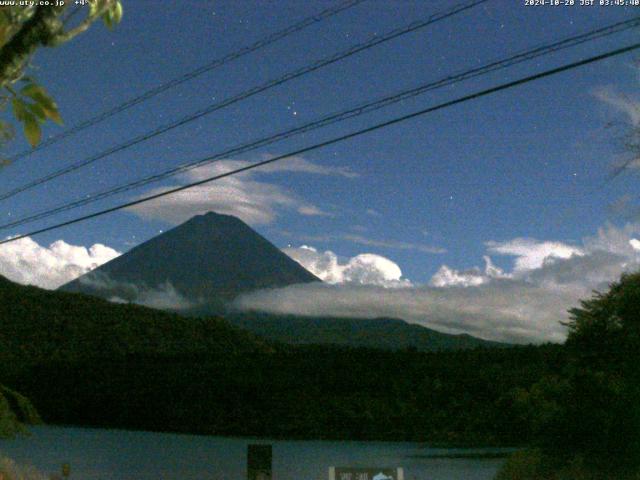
530 162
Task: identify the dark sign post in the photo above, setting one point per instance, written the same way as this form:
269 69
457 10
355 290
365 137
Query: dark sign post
355 473
259 458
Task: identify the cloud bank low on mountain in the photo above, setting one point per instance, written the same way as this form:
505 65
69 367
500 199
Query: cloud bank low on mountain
502 311
523 305
163 296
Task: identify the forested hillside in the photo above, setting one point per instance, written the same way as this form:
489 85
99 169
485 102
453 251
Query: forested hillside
38 325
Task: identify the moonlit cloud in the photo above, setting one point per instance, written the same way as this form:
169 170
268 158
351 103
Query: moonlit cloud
312 210
363 269
368 241
449 277
524 305
506 311
255 202
620 102
531 254
393 244
628 105
163 297
27 262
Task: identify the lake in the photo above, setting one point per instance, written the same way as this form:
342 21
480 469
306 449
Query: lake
119 454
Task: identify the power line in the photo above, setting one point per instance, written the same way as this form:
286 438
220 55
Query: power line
331 119
339 139
264 42
372 42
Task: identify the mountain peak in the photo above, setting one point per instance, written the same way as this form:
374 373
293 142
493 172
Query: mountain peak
211 215
210 258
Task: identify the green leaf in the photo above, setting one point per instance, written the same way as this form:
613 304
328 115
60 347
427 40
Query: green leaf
117 12
113 14
6 132
35 91
42 98
32 130
45 102
37 110
93 7
106 18
19 109
53 114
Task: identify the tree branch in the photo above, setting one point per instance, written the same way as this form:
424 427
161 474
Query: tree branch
62 37
40 29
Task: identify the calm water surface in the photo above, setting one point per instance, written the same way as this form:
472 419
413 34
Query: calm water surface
119 454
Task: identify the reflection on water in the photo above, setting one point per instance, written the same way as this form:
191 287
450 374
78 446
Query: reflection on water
118 454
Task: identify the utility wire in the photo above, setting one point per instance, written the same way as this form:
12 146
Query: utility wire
339 139
372 42
331 119
264 42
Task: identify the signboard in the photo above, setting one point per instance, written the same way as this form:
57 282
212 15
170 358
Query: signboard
259 462
355 473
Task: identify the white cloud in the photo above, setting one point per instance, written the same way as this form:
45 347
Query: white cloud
299 164
312 210
448 277
363 269
629 106
164 296
524 305
504 310
371 242
255 202
620 102
392 244
531 254
25 261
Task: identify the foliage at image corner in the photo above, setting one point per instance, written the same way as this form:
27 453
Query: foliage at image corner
534 464
11 470
584 420
24 29
16 411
